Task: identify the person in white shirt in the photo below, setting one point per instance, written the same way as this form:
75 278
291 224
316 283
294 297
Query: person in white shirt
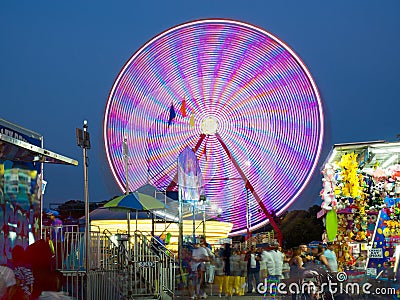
277 257
267 264
210 264
253 268
199 257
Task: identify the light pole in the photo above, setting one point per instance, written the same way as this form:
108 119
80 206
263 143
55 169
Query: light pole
203 200
180 211
248 214
125 154
83 141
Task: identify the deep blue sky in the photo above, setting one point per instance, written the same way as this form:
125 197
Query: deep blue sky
59 60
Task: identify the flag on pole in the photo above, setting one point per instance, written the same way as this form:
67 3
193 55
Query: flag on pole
172 114
183 108
191 122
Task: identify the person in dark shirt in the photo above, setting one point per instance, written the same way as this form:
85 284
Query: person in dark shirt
226 256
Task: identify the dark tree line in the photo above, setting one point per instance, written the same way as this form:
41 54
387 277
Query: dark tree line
300 226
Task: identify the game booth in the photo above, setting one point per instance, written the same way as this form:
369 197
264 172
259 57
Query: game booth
361 209
21 186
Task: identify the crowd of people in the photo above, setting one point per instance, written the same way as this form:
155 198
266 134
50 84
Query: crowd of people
29 273
267 263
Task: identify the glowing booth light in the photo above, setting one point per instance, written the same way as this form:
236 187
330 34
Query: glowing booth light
208 81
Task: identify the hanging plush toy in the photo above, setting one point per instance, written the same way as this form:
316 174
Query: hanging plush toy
329 185
350 175
396 177
377 193
389 188
379 175
348 258
393 172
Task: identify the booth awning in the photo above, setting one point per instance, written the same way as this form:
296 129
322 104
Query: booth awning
369 153
17 150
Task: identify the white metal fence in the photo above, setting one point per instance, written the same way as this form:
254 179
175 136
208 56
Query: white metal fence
154 263
140 267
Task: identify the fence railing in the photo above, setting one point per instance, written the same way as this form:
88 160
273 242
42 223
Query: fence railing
167 264
74 284
106 285
119 269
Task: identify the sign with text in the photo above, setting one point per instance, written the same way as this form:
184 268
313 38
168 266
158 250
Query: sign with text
376 253
371 271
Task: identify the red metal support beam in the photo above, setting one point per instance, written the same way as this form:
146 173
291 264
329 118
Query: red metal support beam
174 181
250 187
199 142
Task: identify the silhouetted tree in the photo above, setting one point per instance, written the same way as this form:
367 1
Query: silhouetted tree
301 226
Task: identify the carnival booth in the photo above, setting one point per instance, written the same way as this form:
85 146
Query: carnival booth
361 207
21 186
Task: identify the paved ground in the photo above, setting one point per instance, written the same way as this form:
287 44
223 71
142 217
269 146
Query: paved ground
245 297
255 297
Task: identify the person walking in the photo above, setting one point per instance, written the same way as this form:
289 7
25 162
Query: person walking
199 256
208 275
296 266
243 264
235 263
253 268
320 261
296 269
277 257
226 255
330 255
267 264
287 255
319 269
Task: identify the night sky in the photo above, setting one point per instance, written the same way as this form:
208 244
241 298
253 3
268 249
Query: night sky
59 60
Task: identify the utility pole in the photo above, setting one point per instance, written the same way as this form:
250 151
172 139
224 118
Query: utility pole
83 141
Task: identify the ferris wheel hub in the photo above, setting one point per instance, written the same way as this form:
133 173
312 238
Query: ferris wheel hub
209 126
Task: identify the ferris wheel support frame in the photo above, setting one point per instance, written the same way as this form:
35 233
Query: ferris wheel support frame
248 184
250 187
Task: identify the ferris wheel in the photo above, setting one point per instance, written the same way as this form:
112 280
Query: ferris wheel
239 97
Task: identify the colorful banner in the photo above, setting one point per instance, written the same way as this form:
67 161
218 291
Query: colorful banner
383 246
190 179
20 197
